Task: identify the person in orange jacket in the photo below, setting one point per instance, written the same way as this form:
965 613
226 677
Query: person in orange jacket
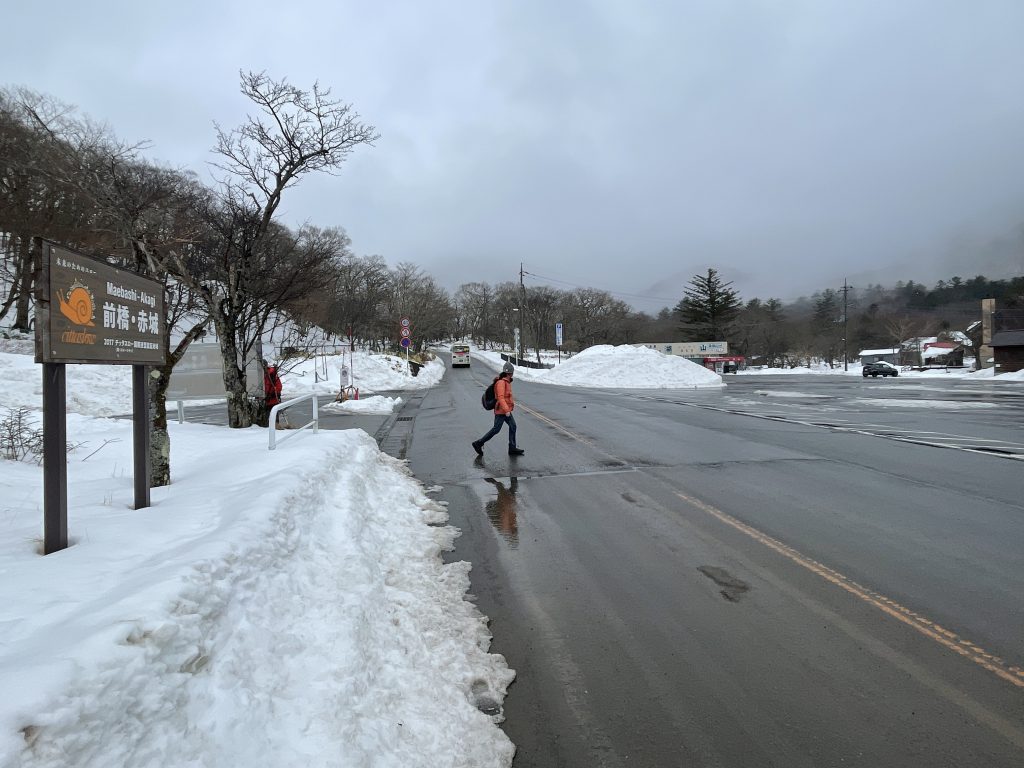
503 408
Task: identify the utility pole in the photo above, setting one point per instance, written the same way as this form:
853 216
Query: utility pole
522 314
846 357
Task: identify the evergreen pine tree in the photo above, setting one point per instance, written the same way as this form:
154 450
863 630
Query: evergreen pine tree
708 308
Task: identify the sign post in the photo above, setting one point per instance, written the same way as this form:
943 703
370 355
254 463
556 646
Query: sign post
558 340
55 461
405 331
88 311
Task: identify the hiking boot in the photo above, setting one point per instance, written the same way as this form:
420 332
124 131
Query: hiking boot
478 447
513 451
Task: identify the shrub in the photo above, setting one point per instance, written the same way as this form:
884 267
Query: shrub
20 438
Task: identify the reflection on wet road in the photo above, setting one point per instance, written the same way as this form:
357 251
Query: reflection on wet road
502 511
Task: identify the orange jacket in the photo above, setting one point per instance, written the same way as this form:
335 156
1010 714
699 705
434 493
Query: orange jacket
503 394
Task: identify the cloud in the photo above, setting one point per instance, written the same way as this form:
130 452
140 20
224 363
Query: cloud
615 145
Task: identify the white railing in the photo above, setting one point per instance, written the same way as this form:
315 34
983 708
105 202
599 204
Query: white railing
315 423
181 399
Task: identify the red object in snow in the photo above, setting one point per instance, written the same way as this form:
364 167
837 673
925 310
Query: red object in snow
271 386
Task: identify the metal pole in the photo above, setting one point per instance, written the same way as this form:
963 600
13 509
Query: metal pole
55 459
846 357
522 315
140 434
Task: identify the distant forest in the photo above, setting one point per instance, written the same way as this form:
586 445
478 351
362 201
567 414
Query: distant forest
812 328
824 326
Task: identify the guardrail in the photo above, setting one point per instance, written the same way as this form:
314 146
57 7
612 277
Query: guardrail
523 362
315 423
180 400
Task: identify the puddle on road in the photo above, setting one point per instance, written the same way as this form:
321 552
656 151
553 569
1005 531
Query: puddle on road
501 510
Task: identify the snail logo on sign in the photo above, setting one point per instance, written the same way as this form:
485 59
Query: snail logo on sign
78 305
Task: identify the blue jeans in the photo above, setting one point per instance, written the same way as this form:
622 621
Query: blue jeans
499 420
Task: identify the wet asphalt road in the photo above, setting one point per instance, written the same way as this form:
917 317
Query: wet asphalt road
750 577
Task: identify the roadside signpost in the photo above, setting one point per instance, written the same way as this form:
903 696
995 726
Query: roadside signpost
405 331
558 340
88 311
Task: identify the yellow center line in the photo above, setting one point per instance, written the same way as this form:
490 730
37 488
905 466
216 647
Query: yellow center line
944 637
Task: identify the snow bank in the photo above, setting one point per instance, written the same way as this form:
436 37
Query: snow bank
100 390
1012 376
377 404
285 608
619 367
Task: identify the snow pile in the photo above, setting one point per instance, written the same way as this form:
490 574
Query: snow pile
285 608
375 404
621 367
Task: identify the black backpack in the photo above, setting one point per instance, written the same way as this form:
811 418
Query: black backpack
487 399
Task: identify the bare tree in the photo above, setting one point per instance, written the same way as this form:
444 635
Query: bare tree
36 198
905 329
474 303
594 316
543 310
110 202
416 295
295 132
362 289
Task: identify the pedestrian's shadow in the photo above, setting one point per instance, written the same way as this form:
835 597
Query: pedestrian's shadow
502 511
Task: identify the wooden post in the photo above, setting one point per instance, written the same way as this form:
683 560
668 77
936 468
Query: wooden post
55 459
140 434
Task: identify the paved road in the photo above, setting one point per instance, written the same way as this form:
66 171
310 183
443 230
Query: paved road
746 578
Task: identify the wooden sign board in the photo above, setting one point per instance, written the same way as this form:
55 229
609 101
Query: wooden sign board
88 311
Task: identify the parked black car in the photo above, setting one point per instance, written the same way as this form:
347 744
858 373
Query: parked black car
881 368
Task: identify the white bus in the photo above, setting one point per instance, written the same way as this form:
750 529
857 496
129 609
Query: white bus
460 355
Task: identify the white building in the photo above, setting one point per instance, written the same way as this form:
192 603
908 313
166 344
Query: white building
692 349
889 355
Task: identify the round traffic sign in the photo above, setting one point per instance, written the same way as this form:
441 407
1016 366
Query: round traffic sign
406 342
405 333
405 322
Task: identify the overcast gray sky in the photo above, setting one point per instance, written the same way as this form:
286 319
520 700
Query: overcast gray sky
617 145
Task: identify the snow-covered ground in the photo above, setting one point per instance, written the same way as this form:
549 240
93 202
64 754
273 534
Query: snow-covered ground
366 372
617 367
285 608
